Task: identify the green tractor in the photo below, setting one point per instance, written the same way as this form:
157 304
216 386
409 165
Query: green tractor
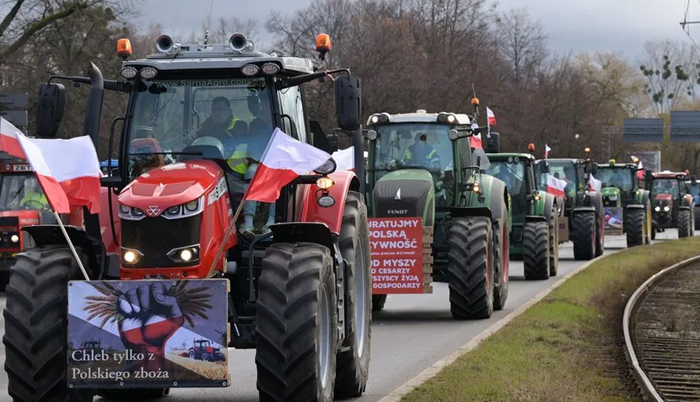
423 167
626 202
582 217
534 237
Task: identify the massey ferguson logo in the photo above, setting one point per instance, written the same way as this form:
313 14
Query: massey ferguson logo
153 210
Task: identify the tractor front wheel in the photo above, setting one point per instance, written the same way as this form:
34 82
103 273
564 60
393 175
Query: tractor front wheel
553 243
536 250
353 364
500 263
296 321
684 223
36 325
635 227
469 278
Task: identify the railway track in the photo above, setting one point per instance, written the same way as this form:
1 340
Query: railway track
661 325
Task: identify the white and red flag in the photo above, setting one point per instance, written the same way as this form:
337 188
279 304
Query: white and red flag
68 170
556 186
595 184
491 117
546 151
345 159
284 160
475 140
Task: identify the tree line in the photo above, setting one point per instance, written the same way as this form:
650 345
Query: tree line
410 54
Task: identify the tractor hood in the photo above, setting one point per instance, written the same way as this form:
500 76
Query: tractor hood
171 185
610 192
405 193
664 197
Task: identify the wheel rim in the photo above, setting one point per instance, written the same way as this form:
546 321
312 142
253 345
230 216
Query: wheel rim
324 341
360 298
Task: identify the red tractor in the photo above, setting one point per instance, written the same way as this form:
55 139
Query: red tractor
22 203
672 203
203 350
300 288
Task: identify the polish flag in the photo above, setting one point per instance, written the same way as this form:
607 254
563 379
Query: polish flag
68 170
475 140
8 139
546 151
284 160
556 186
345 159
491 117
595 184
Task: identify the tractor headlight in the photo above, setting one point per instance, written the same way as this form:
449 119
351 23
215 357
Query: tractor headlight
667 208
14 238
328 167
325 183
657 209
130 213
185 210
130 256
187 254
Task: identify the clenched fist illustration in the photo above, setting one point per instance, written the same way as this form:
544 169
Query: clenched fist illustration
152 317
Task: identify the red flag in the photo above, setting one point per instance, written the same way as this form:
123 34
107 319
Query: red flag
475 140
68 171
284 160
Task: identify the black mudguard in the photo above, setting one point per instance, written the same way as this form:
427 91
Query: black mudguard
460 212
46 235
549 202
498 194
313 232
536 218
635 206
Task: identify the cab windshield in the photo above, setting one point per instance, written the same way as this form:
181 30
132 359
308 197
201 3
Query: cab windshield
621 178
513 173
21 191
665 186
563 170
170 115
422 145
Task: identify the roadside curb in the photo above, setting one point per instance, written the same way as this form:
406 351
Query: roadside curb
432 371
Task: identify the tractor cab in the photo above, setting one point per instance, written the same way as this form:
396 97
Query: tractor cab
415 165
572 171
619 182
672 202
517 171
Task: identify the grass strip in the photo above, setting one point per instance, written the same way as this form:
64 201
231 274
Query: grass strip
567 347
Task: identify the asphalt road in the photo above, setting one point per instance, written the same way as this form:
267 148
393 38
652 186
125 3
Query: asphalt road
408 336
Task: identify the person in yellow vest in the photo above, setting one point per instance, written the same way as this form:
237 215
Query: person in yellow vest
33 195
248 151
219 124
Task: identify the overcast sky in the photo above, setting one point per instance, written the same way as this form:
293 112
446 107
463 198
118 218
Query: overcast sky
571 25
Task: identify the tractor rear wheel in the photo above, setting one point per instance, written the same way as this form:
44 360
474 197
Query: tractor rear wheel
296 324
36 325
353 364
635 227
500 267
553 243
683 223
583 235
468 275
536 250
378 302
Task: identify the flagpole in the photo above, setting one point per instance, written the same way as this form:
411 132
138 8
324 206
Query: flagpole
70 244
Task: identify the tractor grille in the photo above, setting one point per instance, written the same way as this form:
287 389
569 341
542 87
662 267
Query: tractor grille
155 237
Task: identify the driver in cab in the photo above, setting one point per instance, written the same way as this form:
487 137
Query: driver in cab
422 153
34 197
219 124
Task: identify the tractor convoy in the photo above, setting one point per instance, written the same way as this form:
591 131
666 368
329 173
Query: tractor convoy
429 198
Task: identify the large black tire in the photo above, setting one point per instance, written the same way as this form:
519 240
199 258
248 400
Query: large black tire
683 223
353 364
378 302
469 281
500 242
635 227
536 250
583 235
553 243
297 288
36 324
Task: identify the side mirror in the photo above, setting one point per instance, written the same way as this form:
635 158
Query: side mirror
493 144
50 105
348 102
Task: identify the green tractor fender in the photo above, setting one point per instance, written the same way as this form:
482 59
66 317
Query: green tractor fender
486 202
